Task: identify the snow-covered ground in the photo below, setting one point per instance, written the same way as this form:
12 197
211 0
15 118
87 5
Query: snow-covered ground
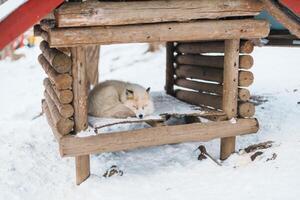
31 167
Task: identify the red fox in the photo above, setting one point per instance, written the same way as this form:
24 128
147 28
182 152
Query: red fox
120 99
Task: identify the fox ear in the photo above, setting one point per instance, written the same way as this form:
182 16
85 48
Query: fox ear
148 89
129 94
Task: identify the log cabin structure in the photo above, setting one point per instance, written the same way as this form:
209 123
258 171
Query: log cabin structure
208 63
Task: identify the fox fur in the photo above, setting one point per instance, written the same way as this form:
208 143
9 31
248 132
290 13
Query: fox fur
120 99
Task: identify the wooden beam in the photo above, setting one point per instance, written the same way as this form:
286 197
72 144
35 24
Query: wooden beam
80 91
126 140
162 32
274 10
95 13
245 61
230 91
199 72
246 46
200 86
170 69
64 96
199 99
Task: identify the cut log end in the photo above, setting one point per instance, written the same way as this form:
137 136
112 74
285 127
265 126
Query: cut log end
246 110
246 78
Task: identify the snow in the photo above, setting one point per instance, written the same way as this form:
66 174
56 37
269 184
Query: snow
31 167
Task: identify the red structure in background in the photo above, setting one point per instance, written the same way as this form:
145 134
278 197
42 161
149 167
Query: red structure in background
24 17
293 5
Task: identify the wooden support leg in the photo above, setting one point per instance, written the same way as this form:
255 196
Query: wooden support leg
80 91
82 164
230 91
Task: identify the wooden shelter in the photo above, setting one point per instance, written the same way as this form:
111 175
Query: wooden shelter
208 58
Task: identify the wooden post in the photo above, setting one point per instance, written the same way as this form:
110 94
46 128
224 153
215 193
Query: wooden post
230 91
170 70
92 59
79 62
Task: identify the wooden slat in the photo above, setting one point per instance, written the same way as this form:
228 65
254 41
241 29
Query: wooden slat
126 140
170 69
199 99
273 9
197 72
95 13
162 32
200 86
245 61
246 46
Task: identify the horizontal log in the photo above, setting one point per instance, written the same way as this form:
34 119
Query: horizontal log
244 94
246 110
126 140
64 96
161 32
46 110
245 61
61 81
58 60
197 72
199 99
66 110
200 86
246 46
47 24
95 13
37 30
63 125
246 78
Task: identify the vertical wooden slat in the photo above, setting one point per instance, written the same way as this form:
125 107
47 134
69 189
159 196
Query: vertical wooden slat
80 91
230 91
92 59
170 70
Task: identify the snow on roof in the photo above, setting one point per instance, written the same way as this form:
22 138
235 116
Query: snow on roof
9 6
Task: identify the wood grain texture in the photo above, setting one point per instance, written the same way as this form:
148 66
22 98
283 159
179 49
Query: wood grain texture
66 110
55 132
246 110
245 61
92 65
199 99
246 46
230 91
126 140
80 89
64 96
200 86
272 8
82 165
58 60
246 78
162 32
170 68
95 13
197 72
61 81
63 125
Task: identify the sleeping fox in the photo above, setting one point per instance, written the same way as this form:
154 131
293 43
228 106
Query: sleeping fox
120 99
